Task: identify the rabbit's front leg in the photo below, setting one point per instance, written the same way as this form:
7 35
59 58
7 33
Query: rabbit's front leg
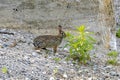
46 50
55 49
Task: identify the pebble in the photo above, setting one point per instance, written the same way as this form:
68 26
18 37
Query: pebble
4 45
26 58
108 67
22 57
34 54
66 49
27 78
114 73
86 70
95 67
52 78
90 78
32 60
65 75
56 54
44 72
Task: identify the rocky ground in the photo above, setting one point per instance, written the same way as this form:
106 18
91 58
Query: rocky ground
22 62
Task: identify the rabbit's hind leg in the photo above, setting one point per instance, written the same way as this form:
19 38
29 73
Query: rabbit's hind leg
46 50
37 49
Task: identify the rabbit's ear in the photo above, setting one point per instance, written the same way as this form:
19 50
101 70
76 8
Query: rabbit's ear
60 28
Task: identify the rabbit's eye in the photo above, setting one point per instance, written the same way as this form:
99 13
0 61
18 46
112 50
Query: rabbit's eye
63 34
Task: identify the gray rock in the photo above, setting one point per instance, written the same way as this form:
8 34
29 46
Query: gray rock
114 73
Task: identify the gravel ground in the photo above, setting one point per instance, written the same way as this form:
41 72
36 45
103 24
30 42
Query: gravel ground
17 54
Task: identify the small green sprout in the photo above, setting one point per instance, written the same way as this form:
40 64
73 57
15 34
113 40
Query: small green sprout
57 59
112 57
4 70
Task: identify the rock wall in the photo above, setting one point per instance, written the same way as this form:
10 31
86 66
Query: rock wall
37 14
117 12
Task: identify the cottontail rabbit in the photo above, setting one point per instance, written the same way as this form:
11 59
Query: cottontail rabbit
49 41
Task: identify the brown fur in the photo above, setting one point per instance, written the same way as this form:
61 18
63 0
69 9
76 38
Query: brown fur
49 41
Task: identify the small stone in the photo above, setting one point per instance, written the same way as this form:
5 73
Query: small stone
94 78
78 0
27 78
32 61
80 71
1 79
64 62
72 64
44 72
95 67
59 79
90 78
49 57
38 51
106 76
65 75
52 78
114 74
26 57
56 54
66 49
86 70
0 46
108 67
57 66
5 45
72 71
34 54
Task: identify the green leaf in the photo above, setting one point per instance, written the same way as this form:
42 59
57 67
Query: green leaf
112 61
81 28
4 70
55 70
57 59
118 33
113 54
91 39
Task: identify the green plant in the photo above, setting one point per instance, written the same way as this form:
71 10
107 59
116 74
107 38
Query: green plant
4 70
113 54
55 71
112 57
57 59
118 33
79 45
112 61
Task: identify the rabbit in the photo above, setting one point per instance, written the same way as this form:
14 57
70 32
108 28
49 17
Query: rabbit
49 41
